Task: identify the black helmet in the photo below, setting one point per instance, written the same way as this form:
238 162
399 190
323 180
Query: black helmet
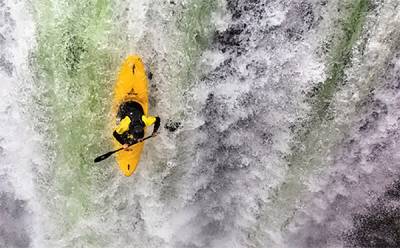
137 129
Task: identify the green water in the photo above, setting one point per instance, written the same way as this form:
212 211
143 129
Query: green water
188 34
310 149
75 69
307 148
197 31
76 61
351 27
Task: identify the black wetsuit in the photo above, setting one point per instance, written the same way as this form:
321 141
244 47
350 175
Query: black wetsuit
136 128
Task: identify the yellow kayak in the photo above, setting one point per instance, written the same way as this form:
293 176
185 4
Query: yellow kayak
130 86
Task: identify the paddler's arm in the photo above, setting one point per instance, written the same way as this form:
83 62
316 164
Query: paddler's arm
118 137
156 126
122 127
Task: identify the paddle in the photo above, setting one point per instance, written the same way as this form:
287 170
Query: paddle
108 154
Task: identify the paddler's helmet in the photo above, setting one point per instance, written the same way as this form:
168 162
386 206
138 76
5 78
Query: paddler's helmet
137 130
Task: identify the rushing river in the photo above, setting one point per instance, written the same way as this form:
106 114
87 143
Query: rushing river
280 124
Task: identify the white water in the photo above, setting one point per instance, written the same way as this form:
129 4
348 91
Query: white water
223 179
20 151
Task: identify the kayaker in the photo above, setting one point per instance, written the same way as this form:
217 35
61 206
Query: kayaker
132 122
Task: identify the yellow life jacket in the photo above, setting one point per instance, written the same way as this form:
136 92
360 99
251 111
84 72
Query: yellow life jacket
123 125
148 120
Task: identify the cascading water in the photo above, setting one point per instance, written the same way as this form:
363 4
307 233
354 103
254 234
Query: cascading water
281 124
20 152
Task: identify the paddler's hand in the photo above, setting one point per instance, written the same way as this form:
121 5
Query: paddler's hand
154 134
125 146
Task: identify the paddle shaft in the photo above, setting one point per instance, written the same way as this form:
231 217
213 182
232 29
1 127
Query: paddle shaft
108 154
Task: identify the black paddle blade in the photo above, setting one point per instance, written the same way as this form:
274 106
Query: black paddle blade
104 156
